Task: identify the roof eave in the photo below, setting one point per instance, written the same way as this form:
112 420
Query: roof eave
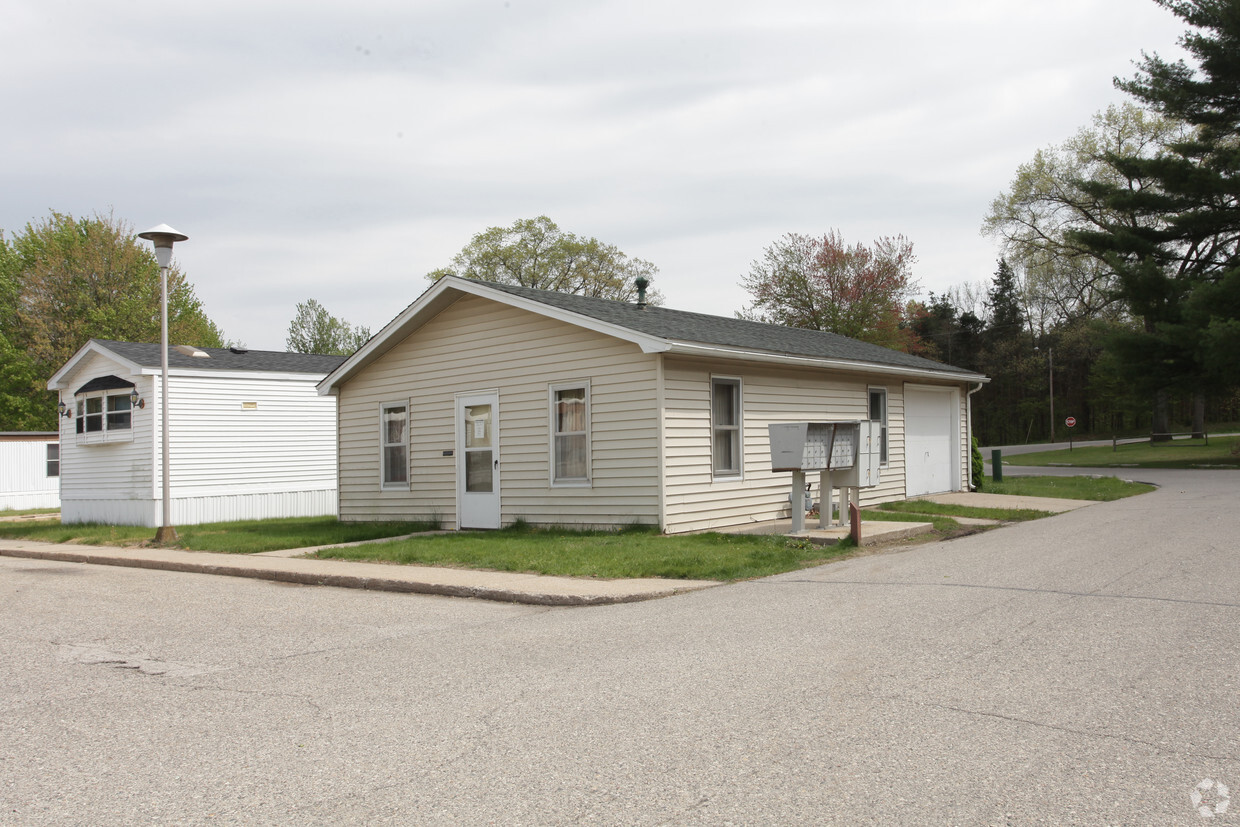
697 349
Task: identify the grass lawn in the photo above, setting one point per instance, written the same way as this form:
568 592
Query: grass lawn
22 512
944 526
637 552
1006 515
243 537
1103 489
1221 452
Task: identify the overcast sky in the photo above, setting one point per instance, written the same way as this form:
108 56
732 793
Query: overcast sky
342 150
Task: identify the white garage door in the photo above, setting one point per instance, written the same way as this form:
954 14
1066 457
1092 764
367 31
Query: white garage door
929 441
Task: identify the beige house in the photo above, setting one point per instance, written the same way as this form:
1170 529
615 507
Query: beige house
481 404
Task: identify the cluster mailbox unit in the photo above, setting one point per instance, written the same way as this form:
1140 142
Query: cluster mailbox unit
845 454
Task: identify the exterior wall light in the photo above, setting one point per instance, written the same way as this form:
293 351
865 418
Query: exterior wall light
64 410
135 400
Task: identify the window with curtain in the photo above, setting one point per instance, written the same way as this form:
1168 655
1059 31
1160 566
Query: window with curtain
394 428
570 433
725 415
878 413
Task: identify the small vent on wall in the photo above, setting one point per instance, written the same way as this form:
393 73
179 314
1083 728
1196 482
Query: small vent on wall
249 406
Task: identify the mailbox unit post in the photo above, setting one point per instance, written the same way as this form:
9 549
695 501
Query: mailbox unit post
845 455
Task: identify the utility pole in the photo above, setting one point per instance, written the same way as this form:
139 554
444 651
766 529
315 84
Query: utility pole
1050 358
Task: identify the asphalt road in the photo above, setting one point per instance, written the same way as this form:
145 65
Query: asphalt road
1080 669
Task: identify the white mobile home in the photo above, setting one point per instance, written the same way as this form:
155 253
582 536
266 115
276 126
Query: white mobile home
481 404
29 470
249 436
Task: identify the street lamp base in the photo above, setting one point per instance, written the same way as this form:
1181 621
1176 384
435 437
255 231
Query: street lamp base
166 535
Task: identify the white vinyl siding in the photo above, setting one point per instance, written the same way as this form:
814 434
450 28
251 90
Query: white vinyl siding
479 343
243 446
570 433
25 481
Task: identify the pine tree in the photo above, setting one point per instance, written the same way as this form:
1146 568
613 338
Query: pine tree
1178 267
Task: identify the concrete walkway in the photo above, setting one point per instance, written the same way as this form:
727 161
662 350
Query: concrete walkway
980 499
292 566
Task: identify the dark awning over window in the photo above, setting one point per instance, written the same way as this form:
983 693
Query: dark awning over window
104 383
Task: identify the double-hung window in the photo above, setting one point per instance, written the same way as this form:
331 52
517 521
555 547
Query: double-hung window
570 434
394 442
725 422
53 459
878 413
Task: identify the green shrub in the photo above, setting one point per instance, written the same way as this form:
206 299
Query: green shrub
979 470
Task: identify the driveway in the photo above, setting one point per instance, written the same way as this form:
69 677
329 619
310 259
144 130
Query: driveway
1079 669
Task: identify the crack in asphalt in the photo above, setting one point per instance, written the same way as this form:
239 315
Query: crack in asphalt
1160 748
1061 592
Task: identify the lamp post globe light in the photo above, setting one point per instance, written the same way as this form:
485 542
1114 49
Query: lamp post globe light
163 237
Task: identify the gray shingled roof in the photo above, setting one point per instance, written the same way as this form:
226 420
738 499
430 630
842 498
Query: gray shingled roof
226 359
699 328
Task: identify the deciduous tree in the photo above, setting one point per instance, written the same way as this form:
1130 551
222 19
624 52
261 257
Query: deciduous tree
535 252
314 330
69 280
822 283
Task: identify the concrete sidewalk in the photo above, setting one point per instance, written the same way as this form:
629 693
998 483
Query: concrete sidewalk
488 585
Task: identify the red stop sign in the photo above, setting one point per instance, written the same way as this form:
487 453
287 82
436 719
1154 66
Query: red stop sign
1070 422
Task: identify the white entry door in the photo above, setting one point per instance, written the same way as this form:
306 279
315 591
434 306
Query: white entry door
930 452
477 460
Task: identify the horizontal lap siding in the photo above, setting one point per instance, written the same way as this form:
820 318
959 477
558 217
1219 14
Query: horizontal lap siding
285 444
476 345
119 471
697 500
24 482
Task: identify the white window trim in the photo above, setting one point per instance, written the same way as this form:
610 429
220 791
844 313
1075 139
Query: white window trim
105 434
884 423
383 446
47 458
739 473
574 482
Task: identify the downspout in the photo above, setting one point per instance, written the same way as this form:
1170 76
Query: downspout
969 427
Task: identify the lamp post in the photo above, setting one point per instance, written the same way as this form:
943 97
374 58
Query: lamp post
163 238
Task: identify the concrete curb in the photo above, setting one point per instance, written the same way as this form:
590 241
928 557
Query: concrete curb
412 580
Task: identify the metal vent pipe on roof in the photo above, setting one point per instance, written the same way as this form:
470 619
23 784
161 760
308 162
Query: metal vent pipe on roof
641 283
